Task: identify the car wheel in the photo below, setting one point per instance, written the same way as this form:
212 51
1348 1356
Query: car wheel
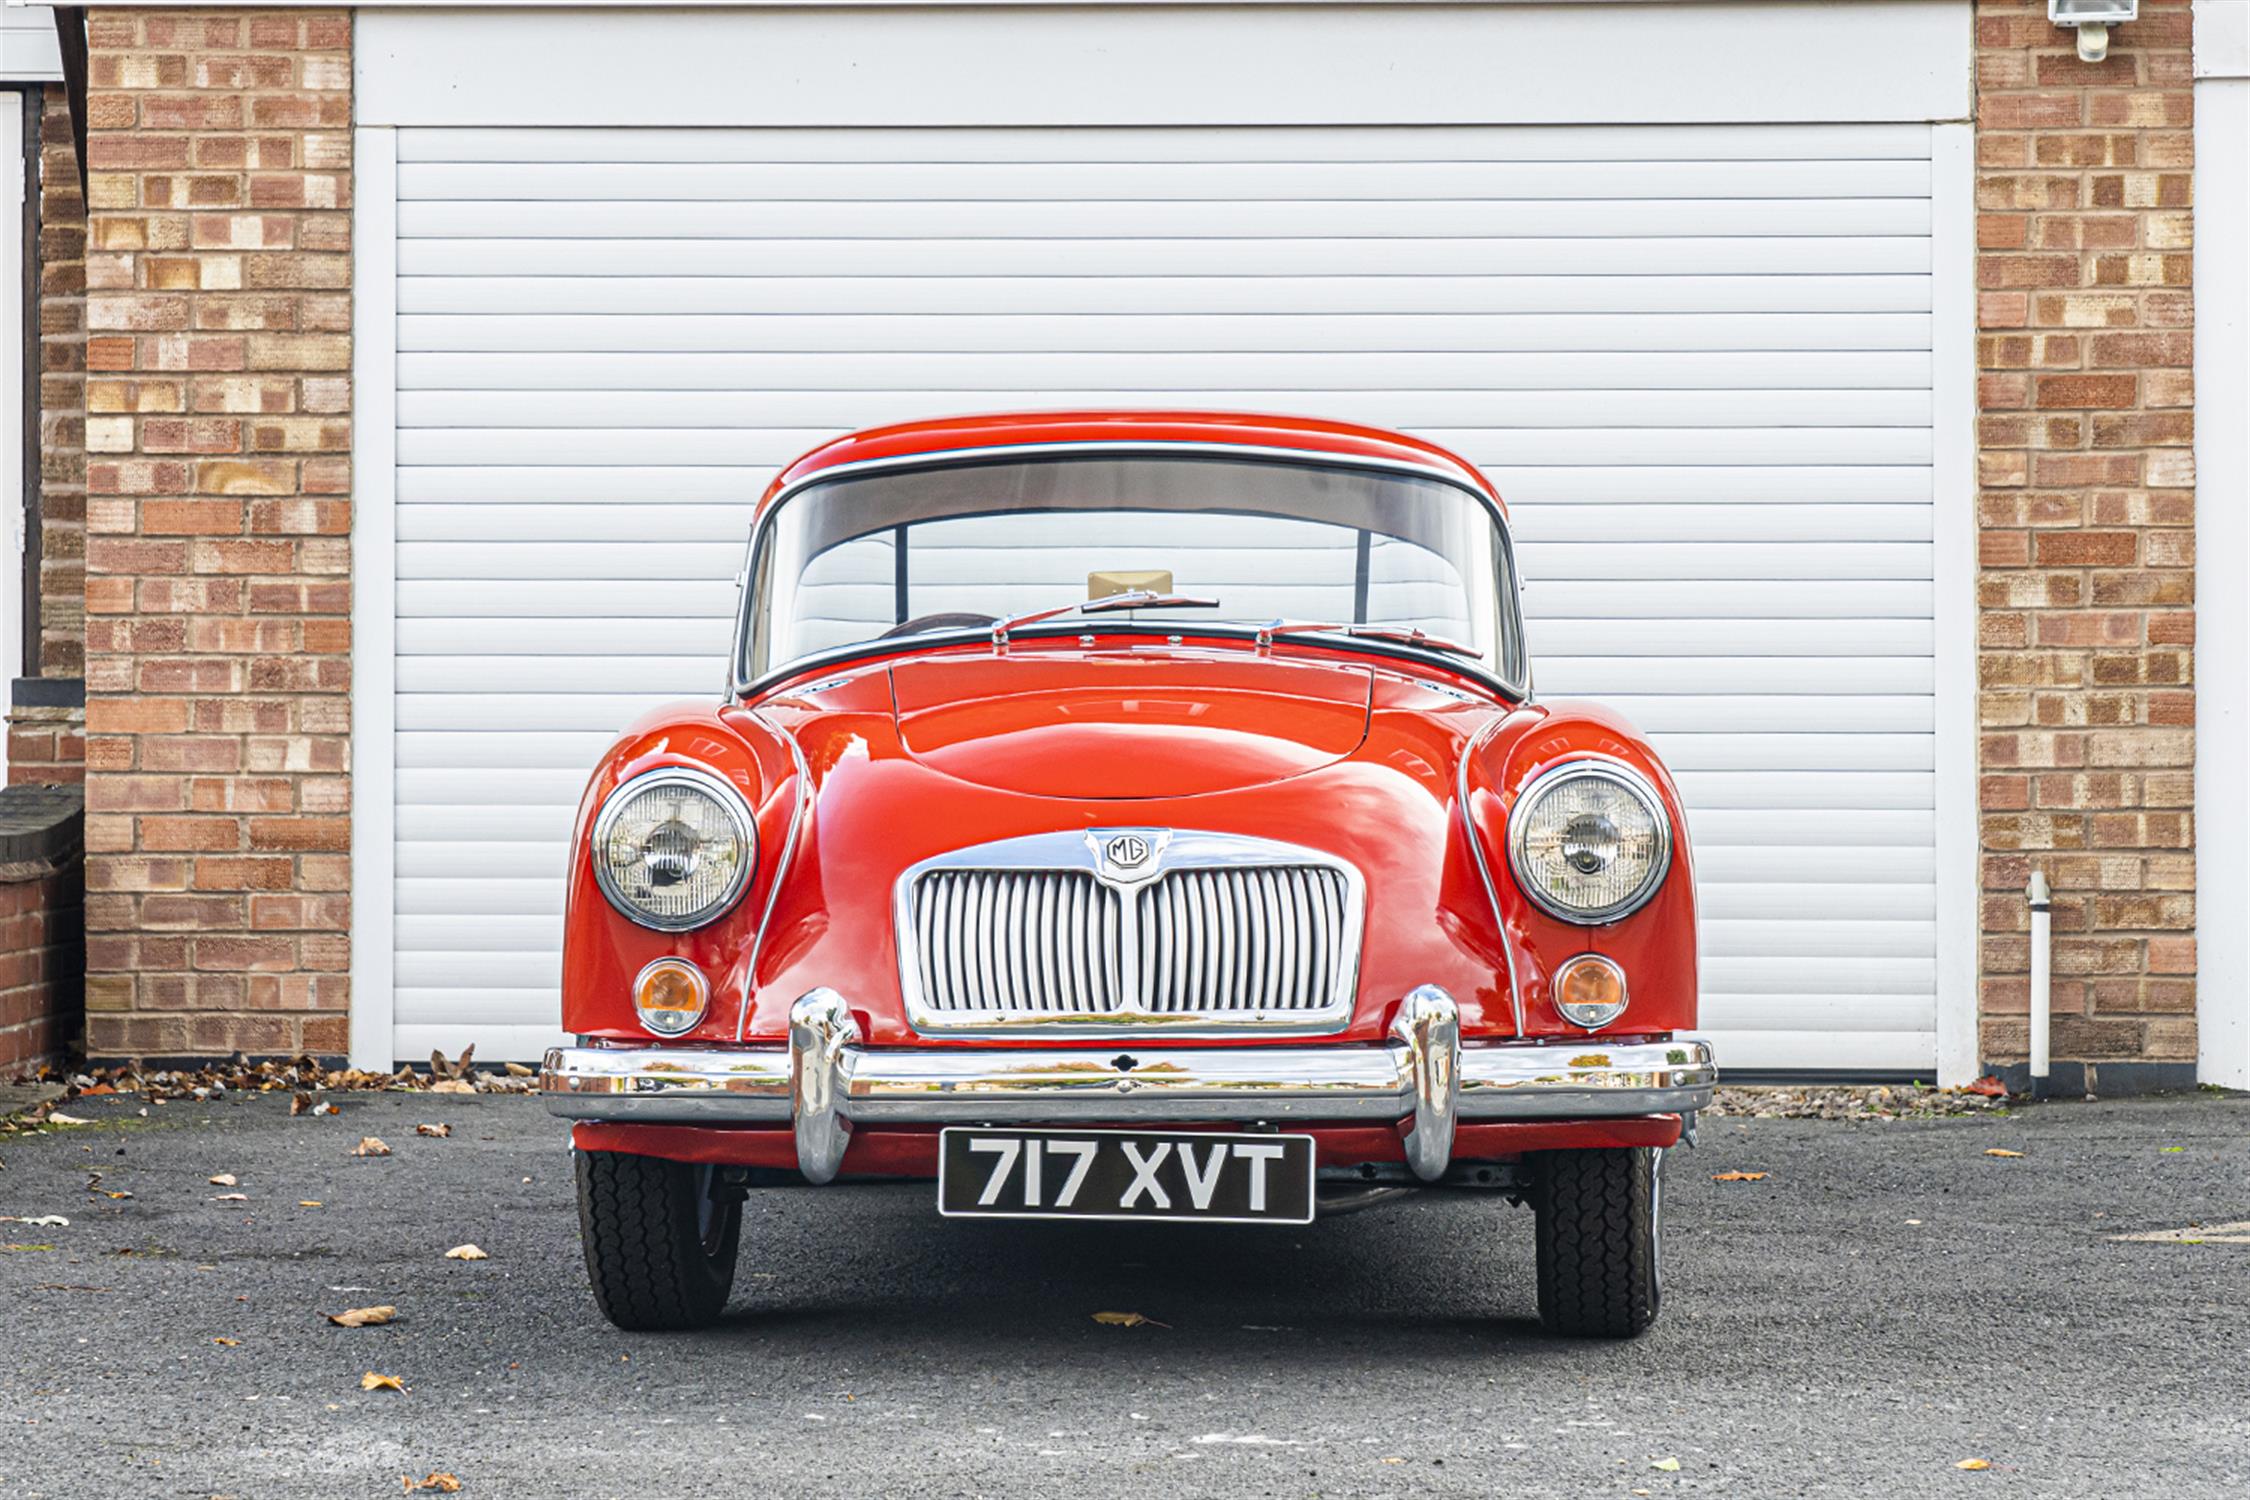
1599 1229
660 1246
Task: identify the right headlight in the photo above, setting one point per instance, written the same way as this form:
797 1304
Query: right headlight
1589 841
673 848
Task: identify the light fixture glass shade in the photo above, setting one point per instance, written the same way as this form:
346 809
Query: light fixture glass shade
2092 12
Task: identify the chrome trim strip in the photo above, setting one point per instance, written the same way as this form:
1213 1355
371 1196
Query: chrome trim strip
992 452
1427 1034
1600 768
1484 864
730 801
1206 966
1404 1079
823 1042
797 816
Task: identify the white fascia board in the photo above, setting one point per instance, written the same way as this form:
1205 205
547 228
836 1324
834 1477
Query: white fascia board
1723 61
2222 605
2222 38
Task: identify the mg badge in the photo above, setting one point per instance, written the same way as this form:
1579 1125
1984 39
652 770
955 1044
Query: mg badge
1128 852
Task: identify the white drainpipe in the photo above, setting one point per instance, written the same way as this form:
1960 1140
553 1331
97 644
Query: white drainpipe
2042 970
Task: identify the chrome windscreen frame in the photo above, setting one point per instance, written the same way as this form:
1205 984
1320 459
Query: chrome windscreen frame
1508 679
1176 849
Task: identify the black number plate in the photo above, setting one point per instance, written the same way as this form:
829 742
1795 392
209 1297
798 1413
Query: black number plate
1125 1174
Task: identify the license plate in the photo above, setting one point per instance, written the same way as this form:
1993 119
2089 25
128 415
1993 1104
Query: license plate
1125 1174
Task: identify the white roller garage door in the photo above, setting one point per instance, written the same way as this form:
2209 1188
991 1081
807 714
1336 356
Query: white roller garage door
1697 359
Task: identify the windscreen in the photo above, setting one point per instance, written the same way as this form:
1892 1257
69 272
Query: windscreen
930 550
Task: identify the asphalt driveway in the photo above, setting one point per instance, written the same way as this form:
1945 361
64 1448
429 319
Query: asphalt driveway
1886 1303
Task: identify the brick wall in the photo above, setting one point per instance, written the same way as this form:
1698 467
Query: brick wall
2087 494
40 960
62 396
218 565
46 742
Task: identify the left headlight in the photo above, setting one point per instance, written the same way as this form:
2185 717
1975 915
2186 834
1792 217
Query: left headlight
673 848
1589 841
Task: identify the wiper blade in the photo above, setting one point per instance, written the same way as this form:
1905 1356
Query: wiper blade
1106 604
1402 635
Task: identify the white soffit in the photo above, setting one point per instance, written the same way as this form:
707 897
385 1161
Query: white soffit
1744 61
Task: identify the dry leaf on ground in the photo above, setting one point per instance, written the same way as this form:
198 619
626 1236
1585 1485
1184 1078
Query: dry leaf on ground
229 1343
1667 1465
442 1482
310 1203
363 1317
299 1103
2000 1151
371 1145
452 1086
1127 1320
374 1382
466 1252
231 1198
59 1118
519 1070
1974 1463
440 1131
1738 1176
223 1179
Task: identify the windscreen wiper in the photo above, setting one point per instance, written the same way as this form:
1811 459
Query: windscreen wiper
1106 604
1401 635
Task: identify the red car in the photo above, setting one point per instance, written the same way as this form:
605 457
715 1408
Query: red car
1129 815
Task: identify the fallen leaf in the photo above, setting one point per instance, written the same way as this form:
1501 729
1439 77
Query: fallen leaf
1989 1085
518 1070
363 1317
232 1198
299 1103
223 1179
310 1203
329 1107
374 1382
39 1221
1974 1463
229 1343
371 1145
1667 1465
442 1482
452 1086
99 1088
466 1252
59 1118
1738 1176
1127 1320
2174 1150
440 1131
1998 1151
110 1193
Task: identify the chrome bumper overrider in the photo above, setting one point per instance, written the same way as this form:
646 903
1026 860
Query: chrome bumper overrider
825 1081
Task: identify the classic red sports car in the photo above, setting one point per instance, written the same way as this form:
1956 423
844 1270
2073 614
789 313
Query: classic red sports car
1128 815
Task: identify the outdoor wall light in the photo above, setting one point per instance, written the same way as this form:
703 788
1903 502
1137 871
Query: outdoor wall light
2093 18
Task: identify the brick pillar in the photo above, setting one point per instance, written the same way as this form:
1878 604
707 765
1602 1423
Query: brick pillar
218 531
2087 512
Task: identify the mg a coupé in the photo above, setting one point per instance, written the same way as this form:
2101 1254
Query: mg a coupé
1131 816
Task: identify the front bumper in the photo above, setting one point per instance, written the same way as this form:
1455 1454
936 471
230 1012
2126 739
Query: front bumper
824 1082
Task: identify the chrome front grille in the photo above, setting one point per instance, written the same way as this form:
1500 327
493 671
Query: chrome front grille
1260 939
1197 931
1033 942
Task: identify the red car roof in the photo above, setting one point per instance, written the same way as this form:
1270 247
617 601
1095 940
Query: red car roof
1126 429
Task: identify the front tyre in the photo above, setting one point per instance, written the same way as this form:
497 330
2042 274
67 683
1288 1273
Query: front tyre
1599 1221
660 1247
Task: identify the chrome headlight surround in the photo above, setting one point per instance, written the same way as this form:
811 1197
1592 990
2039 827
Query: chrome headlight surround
1634 785
721 795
